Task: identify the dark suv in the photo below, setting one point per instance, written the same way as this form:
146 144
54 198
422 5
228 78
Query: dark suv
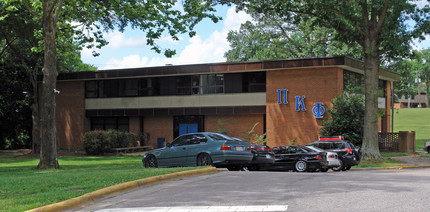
349 154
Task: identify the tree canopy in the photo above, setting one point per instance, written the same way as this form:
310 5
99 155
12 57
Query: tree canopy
272 36
81 24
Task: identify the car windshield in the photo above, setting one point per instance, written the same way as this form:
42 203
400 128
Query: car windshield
307 149
315 148
219 137
338 145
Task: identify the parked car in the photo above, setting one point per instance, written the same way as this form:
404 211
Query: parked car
349 154
332 158
263 156
427 147
298 158
200 149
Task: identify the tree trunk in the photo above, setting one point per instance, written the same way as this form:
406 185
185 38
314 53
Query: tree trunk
35 115
370 149
427 89
48 152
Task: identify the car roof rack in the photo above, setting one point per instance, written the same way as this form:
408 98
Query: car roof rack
330 138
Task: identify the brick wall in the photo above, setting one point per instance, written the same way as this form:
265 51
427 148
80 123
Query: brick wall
237 124
318 85
158 127
70 115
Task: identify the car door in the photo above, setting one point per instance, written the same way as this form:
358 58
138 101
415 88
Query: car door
293 154
176 152
196 145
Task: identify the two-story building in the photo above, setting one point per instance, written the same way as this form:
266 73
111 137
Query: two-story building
288 98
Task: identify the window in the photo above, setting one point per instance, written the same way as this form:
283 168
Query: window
91 89
128 87
257 82
354 82
149 87
110 123
207 84
183 85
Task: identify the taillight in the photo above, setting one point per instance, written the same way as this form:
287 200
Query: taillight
225 147
331 156
348 150
318 157
249 149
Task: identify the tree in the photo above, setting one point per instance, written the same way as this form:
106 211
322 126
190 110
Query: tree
421 64
83 22
271 36
346 118
19 70
379 27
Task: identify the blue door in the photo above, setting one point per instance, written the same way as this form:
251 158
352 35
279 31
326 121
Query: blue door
188 128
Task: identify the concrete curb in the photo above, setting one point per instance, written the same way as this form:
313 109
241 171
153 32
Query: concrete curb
93 196
391 167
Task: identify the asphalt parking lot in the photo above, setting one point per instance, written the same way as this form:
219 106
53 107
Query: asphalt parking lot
372 190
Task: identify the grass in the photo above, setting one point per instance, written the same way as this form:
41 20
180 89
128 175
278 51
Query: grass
414 119
23 187
386 162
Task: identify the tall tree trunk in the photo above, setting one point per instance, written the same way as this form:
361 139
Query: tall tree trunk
427 89
48 152
35 133
370 149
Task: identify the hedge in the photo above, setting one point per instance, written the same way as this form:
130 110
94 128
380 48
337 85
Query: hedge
99 142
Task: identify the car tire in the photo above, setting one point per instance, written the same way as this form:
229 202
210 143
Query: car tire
339 168
301 166
346 168
324 170
253 168
428 150
204 160
234 168
151 161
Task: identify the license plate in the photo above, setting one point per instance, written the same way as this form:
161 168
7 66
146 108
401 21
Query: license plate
239 148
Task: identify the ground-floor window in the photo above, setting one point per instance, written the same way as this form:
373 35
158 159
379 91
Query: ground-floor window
110 123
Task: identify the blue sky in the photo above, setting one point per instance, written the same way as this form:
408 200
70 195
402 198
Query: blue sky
129 49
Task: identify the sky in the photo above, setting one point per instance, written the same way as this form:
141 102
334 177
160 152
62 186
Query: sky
129 49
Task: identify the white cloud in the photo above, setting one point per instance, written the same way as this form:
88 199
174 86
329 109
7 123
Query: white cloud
198 50
127 62
420 45
117 39
211 49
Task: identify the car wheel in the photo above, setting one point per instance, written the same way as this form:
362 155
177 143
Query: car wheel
301 166
346 168
151 162
253 168
339 168
324 170
204 160
428 150
234 168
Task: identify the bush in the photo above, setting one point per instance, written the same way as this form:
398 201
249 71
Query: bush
346 118
99 142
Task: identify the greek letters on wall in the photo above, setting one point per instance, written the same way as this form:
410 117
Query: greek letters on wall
318 110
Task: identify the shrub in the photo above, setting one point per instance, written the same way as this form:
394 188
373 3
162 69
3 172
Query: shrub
99 142
346 118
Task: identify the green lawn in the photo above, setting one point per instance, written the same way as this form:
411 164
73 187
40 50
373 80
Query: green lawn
23 187
414 119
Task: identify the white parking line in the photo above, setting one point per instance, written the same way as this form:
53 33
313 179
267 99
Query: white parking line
249 208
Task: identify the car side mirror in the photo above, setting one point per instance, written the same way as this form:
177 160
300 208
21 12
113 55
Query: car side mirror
168 145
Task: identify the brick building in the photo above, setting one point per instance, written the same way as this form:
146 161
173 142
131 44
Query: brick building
286 97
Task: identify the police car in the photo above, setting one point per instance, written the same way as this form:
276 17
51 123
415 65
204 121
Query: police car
349 155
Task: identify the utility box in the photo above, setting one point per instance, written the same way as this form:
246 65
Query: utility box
160 142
